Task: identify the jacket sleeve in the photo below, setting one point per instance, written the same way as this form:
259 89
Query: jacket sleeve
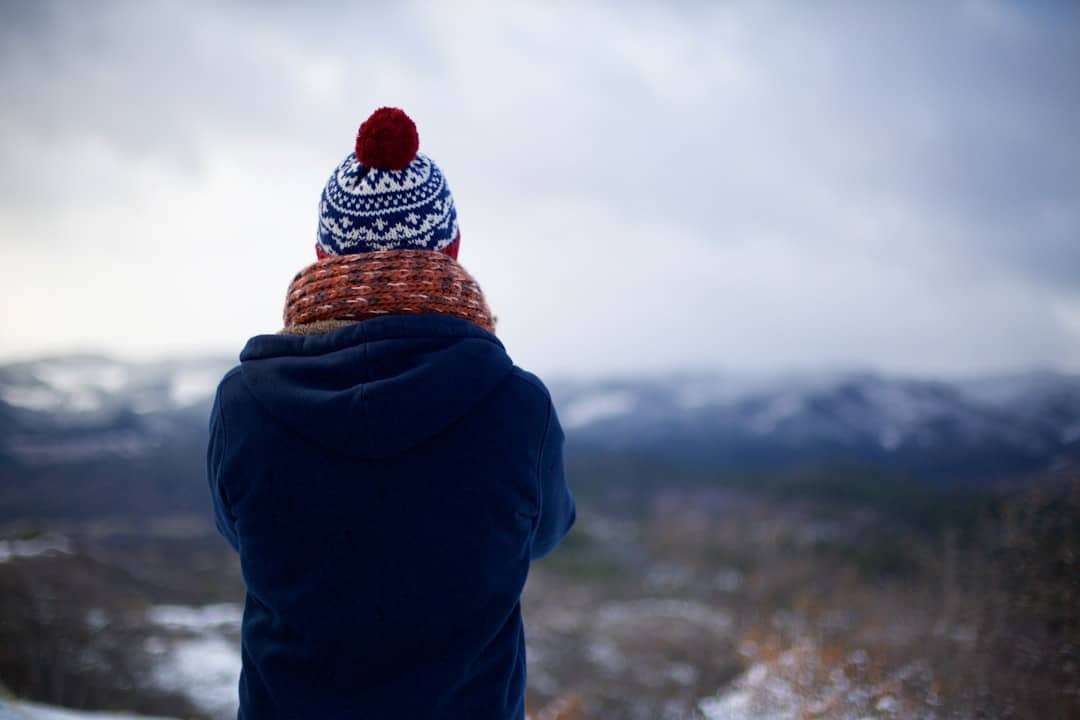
215 457
557 509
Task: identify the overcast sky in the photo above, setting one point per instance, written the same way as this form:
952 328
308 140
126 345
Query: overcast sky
640 188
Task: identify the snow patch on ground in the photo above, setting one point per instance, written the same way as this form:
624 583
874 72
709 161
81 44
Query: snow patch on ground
198 654
799 683
205 669
19 710
196 618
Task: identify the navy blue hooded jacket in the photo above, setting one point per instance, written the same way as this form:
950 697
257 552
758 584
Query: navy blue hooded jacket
386 485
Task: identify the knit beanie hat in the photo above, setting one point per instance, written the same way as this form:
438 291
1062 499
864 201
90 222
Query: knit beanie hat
385 195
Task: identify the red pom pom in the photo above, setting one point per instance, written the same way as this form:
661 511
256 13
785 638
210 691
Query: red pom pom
387 140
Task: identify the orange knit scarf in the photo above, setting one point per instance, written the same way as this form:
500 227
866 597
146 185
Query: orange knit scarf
390 282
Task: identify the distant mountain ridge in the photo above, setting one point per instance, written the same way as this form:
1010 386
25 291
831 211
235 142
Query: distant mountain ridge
87 434
73 408
989 428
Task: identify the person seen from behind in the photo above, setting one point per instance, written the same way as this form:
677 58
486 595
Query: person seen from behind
384 470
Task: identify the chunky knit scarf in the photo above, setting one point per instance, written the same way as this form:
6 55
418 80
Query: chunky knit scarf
343 289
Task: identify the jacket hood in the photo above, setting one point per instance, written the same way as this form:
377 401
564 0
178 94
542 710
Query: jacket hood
378 387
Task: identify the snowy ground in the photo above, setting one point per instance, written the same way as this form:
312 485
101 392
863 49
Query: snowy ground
197 654
713 606
18 710
799 683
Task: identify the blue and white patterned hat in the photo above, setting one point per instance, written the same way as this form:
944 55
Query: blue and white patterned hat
385 195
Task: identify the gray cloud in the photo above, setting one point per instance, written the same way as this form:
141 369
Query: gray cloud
886 185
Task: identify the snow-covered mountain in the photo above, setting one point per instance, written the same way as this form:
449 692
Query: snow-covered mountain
75 408
86 384
988 427
80 389
89 437
84 433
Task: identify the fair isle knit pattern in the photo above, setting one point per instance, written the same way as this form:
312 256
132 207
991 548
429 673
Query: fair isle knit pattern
390 282
366 209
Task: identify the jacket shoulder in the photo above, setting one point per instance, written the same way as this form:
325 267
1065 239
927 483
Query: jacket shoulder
525 378
524 396
229 380
230 386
